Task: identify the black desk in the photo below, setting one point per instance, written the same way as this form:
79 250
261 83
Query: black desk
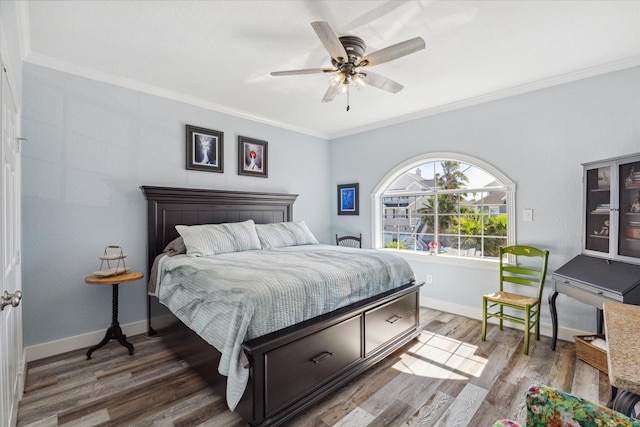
593 281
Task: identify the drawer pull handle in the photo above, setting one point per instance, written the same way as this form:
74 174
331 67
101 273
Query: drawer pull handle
394 319
566 282
599 293
322 356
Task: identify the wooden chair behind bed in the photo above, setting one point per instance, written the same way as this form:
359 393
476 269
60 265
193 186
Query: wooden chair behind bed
349 241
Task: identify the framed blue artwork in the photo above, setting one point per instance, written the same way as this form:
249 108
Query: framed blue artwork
348 199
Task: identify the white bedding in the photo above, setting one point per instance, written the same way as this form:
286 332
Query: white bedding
233 297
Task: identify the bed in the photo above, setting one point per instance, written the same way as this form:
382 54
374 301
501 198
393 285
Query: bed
292 367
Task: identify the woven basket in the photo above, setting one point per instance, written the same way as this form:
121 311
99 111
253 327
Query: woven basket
589 353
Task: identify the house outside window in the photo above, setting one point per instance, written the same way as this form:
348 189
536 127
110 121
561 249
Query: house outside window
449 205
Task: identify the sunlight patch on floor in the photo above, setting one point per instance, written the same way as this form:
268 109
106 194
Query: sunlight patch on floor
438 356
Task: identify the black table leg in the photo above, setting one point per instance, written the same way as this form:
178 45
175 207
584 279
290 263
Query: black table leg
114 331
554 319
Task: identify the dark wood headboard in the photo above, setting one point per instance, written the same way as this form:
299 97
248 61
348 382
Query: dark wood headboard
168 207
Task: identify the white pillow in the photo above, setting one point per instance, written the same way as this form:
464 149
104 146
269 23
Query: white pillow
213 239
281 234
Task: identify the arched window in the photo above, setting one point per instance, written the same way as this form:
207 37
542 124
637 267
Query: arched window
445 204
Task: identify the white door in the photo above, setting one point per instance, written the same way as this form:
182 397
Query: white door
11 350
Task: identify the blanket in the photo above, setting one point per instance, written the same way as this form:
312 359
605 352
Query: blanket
233 297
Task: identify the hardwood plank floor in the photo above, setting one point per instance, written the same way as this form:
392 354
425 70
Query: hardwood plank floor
445 377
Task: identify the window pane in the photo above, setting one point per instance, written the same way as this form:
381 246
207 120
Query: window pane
495 225
424 242
394 243
492 245
448 244
471 246
450 175
418 179
491 201
470 224
477 178
448 224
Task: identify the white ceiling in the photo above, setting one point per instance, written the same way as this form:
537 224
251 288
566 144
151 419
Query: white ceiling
218 54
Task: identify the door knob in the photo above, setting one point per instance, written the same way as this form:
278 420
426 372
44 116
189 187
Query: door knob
10 299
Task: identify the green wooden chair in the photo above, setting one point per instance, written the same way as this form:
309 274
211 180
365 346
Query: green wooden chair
532 274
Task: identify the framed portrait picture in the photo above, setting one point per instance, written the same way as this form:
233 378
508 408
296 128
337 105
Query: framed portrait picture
205 149
253 157
348 199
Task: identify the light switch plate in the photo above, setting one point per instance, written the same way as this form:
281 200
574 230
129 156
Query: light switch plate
527 215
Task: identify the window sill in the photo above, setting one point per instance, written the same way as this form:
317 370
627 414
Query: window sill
489 264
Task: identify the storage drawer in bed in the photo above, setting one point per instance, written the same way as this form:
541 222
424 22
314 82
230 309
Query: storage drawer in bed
390 320
297 368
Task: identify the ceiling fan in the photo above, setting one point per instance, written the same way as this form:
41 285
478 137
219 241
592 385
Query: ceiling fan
349 62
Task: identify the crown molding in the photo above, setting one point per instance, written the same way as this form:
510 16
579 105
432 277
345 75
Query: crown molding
89 73
92 74
631 62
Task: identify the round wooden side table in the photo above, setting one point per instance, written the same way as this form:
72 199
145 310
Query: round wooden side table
114 331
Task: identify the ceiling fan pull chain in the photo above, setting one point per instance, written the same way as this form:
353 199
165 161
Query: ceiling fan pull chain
348 97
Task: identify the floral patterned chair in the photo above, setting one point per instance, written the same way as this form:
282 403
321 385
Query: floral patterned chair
548 407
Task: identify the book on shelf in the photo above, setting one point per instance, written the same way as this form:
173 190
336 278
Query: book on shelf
602 208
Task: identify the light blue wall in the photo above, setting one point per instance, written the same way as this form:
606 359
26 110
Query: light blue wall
91 146
538 139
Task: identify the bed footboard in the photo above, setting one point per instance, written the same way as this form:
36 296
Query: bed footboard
295 367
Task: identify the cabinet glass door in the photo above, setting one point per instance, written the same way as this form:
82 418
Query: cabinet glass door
629 231
598 209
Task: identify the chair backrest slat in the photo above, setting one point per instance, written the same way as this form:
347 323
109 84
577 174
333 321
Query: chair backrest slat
520 281
527 275
527 271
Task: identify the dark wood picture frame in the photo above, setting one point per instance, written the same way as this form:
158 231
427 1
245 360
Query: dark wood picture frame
205 149
253 159
348 199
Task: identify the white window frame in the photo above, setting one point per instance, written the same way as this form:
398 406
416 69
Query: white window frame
377 214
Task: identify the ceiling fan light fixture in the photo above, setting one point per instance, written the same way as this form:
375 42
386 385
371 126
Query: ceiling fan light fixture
345 85
360 80
336 79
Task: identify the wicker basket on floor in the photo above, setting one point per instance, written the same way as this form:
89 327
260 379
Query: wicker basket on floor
589 353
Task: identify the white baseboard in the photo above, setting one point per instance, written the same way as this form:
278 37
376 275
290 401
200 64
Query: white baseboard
63 345
22 373
565 334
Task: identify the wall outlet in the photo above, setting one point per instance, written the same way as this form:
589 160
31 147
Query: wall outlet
429 278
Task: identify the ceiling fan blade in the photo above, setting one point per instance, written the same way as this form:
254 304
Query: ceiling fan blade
303 71
392 52
331 92
330 41
381 82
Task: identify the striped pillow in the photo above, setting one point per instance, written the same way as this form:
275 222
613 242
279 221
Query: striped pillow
213 239
282 234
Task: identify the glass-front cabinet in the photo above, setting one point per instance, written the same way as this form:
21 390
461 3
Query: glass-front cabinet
612 208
